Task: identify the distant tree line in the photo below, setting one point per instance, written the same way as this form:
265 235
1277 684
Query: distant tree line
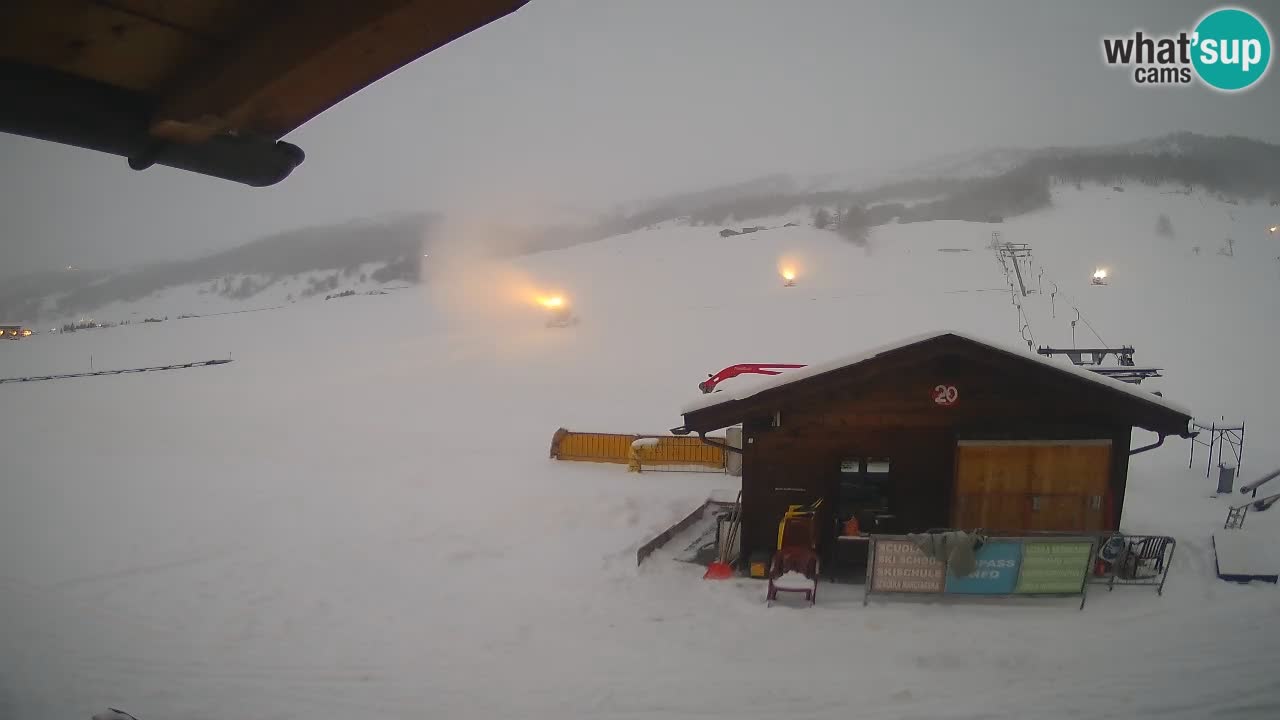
854 225
83 325
317 285
332 247
406 268
1230 167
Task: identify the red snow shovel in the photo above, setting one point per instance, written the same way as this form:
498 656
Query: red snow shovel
720 569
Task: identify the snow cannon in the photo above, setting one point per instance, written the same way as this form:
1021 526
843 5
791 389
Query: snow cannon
560 313
708 386
1099 277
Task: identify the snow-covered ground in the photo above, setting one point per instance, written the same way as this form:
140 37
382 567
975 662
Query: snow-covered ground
357 517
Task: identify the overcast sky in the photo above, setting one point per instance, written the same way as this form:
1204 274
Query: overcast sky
574 106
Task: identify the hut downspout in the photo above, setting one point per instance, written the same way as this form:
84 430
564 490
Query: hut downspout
1160 441
1152 446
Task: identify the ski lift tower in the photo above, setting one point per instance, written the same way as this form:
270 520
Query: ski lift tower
1014 253
1220 435
1125 370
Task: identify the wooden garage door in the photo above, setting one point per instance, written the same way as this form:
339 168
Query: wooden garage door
1016 485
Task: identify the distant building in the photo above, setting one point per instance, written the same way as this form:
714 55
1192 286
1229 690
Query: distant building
12 331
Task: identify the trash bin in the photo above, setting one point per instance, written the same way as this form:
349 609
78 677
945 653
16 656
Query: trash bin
1226 478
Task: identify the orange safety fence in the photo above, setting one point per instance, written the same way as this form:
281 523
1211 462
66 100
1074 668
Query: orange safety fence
660 452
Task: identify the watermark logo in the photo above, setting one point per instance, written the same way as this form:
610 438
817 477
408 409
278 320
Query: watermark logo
1229 50
1235 49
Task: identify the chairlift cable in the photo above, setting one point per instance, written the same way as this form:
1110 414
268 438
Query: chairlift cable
1095 333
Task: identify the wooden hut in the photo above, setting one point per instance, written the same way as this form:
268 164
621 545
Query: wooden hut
938 431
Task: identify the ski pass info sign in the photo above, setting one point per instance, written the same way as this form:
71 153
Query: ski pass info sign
997 572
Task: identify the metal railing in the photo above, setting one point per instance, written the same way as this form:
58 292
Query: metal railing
99 373
1134 560
1253 486
1237 514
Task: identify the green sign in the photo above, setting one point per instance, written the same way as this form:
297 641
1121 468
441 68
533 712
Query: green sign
1054 567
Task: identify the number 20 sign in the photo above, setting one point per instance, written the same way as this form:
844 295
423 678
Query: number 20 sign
945 395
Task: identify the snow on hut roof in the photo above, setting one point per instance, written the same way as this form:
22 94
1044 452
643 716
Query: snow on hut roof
744 391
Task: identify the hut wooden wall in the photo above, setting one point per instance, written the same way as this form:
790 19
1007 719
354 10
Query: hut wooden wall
794 445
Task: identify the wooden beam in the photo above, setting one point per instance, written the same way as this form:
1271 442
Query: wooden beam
209 20
95 42
304 57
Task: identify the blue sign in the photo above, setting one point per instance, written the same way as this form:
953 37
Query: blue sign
997 572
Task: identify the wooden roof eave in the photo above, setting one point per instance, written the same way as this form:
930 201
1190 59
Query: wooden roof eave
209 86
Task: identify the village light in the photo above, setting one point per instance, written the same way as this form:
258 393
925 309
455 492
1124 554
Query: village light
1100 276
1273 229
788 277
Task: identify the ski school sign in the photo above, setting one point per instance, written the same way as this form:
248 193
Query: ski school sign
1006 567
900 566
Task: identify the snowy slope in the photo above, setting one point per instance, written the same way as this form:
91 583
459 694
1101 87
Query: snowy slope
231 293
357 516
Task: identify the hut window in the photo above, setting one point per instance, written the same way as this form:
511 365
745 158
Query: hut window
863 494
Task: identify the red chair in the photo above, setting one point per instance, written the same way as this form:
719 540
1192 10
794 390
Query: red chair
795 570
